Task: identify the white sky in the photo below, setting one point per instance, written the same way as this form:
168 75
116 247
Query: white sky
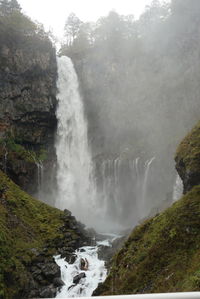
53 13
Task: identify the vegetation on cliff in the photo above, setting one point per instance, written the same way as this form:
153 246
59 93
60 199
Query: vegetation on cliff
30 233
162 254
188 159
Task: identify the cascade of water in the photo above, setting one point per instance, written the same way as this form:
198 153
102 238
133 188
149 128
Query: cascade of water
144 187
116 181
94 274
136 166
40 176
5 161
178 188
124 188
75 190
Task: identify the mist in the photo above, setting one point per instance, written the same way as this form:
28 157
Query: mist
139 81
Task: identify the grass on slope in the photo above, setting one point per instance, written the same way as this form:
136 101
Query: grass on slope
161 255
26 225
189 150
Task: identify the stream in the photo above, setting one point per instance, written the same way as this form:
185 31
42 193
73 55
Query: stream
82 277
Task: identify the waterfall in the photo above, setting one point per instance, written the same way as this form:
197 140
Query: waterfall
5 161
144 188
178 188
74 175
40 176
124 187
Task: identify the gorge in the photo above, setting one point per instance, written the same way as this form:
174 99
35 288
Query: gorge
94 197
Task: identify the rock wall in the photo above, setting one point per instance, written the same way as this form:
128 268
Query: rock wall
28 73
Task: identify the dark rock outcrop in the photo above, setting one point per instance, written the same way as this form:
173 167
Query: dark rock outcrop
78 277
106 252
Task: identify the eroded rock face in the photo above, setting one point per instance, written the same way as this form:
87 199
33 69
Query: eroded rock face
188 159
28 74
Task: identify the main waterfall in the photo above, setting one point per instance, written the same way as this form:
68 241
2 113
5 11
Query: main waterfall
109 194
74 184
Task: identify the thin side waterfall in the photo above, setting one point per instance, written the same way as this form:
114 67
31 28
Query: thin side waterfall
74 175
144 187
5 161
40 176
124 188
178 188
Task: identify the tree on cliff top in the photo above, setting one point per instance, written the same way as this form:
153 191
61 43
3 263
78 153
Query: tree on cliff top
8 7
18 30
72 28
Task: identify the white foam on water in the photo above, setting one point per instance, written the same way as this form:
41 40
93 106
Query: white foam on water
95 274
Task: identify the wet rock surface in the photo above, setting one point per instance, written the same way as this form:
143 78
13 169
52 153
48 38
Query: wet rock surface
78 277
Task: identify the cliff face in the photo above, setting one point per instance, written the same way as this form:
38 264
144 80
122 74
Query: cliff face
162 254
27 105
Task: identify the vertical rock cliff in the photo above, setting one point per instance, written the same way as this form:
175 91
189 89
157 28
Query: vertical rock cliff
27 101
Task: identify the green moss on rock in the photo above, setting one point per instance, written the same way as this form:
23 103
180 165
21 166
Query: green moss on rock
162 254
19 162
188 159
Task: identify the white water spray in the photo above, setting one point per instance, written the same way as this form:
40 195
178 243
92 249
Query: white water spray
94 274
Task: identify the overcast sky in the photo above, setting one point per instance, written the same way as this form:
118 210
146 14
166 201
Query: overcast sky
53 13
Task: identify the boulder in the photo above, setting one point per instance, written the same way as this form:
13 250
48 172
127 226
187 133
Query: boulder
58 282
78 277
84 264
48 292
51 270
